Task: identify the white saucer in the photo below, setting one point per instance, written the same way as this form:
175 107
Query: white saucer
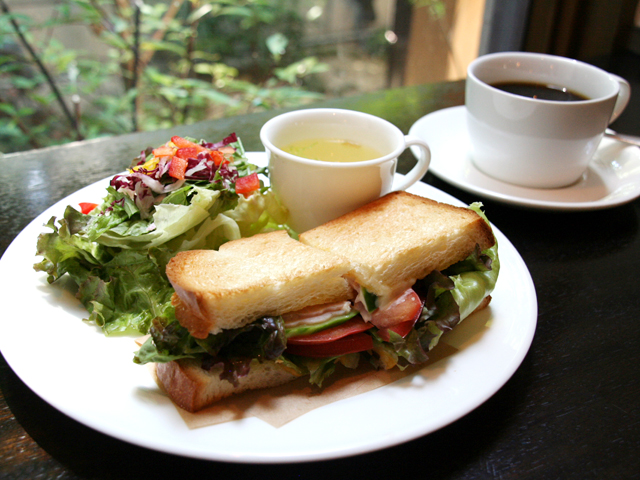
613 176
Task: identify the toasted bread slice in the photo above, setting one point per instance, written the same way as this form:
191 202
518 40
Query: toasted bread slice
267 274
192 388
400 238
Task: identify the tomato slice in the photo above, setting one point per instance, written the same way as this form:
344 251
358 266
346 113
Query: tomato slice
407 308
247 185
350 327
357 342
86 207
401 329
177 168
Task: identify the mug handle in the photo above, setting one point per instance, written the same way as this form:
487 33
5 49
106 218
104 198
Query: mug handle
623 97
420 168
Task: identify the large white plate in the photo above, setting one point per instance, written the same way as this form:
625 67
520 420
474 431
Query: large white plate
612 178
92 379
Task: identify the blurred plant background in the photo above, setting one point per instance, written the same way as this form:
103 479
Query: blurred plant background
79 69
147 65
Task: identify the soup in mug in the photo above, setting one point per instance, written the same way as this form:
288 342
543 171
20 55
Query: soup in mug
331 150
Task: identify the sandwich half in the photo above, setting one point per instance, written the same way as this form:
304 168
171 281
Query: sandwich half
228 335
418 268
380 284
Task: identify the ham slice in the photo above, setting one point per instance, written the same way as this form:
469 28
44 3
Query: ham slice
315 314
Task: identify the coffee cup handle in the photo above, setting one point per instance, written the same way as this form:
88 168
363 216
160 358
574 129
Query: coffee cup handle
623 97
420 168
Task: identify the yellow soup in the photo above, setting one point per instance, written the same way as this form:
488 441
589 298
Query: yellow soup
331 150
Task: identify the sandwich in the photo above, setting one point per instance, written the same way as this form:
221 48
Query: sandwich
380 285
229 306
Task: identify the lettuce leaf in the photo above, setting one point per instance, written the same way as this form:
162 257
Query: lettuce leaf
471 287
135 292
169 221
234 349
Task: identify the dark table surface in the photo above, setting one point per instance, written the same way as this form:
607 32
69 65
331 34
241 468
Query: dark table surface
570 411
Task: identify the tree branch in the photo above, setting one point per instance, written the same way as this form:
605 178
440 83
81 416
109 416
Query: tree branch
158 35
136 64
43 69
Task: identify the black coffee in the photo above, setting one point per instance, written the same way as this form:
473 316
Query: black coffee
541 91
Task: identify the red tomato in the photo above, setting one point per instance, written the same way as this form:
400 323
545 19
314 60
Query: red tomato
407 306
354 325
401 329
406 309
86 207
177 168
358 342
247 185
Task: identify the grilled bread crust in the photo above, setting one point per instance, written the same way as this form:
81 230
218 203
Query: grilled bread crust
400 238
193 388
267 274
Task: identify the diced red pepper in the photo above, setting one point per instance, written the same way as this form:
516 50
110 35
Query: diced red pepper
164 151
86 207
187 152
247 185
177 168
218 158
184 143
180 142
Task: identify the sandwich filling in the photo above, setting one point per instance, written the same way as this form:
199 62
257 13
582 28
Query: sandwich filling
387 331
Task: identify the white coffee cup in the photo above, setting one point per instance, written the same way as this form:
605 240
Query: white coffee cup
532 142
316 191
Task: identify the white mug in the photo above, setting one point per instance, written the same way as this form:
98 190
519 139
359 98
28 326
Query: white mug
315 191
532 142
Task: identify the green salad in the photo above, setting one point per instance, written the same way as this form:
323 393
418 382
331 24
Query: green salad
183 195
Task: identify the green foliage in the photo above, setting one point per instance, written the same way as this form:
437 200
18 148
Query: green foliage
437 8
196 60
